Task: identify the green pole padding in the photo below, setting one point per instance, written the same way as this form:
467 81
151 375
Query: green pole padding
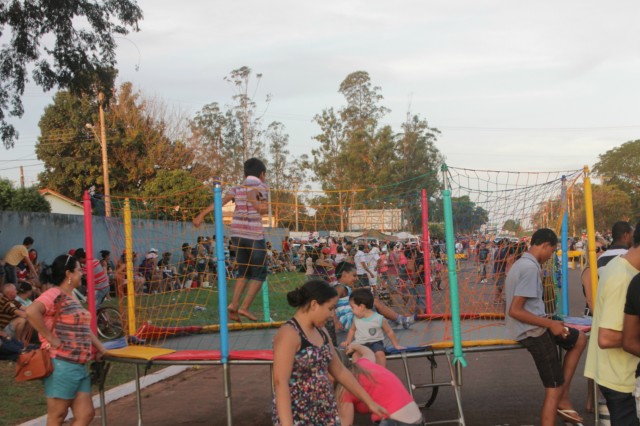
454 295
265 301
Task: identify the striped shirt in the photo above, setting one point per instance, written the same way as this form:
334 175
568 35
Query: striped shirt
72 326
247 222
8 309
100 277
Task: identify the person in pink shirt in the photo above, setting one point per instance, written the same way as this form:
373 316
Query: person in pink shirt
382 385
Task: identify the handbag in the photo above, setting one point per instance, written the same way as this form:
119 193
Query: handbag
36 363
33 365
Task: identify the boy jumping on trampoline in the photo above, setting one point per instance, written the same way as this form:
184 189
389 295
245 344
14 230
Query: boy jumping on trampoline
527 322
247 235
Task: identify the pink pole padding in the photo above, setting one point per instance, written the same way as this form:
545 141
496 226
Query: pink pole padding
88 244
426 249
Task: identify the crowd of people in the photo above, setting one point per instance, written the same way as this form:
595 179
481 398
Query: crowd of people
315 379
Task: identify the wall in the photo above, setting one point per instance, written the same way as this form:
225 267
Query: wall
55 234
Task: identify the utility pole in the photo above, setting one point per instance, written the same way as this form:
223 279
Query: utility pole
295 183
105 161
21 177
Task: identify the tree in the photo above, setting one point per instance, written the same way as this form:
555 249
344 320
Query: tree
610 204
6 194
69 45
175 195
467 217
21 199
512 225
619 167
29 200
216 140
245 110
69 145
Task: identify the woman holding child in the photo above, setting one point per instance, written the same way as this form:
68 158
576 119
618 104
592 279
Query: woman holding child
303 359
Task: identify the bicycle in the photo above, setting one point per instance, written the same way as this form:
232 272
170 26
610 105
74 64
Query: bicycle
108 318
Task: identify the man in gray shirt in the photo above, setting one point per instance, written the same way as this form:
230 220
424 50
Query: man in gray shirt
528 323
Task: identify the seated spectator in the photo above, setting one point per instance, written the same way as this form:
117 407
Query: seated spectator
121 276
169 273
100 278
13 319
148 270
187 268
382 385
14 256
25 291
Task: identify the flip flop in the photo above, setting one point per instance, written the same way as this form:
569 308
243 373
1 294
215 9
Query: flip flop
247 314
570 415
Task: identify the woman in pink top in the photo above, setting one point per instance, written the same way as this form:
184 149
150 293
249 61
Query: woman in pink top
64 328
382 385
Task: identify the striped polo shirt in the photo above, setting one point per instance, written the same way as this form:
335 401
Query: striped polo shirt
8 310
247 222
100 277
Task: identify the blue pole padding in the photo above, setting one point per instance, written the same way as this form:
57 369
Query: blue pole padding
222 275
565 265
265 301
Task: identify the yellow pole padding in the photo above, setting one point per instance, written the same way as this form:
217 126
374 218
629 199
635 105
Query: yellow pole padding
131 285
591 234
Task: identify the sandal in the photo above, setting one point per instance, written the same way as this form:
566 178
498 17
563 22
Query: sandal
570 415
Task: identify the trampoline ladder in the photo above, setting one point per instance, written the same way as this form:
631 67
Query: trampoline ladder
454 383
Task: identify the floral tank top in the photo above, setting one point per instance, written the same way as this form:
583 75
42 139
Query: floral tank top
313 401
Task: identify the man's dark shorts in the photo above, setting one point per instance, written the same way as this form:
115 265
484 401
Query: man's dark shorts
250 258
544 350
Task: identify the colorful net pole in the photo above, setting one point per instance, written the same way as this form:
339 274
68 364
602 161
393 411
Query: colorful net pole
265 301
565 249
131 293
222 296
88 243
222 276
591 231
426 245
458 356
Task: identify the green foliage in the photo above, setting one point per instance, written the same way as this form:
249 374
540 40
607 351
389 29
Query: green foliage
619 167
355 152
610 204
467 217
512 225
137 147
6 194
21 199
29 200
81 57
436 231
174 195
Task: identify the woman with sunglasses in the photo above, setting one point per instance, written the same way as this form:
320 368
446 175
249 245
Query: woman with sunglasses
64 328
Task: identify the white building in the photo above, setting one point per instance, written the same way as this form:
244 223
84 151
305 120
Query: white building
61 204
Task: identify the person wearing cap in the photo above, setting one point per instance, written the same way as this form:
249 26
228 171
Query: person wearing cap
148 270
100 277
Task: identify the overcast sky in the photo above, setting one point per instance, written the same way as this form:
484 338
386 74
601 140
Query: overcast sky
529 86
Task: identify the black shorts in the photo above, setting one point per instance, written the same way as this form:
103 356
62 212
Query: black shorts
250 258
544 350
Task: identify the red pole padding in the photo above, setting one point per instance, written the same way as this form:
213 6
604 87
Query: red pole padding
426 249
88 243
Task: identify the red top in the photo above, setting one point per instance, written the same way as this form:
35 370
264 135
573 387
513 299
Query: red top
386 389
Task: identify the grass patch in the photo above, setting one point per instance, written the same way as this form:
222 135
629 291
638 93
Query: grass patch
25 401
